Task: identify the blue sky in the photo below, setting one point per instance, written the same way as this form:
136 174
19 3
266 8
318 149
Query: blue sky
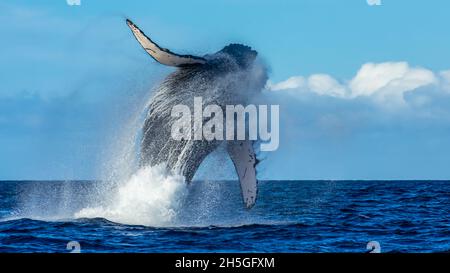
364 91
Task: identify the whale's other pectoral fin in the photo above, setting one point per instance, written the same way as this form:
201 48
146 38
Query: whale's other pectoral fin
244 160
162 55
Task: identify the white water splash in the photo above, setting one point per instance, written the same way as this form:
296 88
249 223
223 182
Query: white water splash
151 197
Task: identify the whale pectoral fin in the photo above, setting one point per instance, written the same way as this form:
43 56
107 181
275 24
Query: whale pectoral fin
162 55
244 160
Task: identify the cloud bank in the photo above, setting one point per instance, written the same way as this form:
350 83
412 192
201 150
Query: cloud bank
391 120
386 84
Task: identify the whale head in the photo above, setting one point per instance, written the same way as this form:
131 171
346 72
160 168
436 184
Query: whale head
244 56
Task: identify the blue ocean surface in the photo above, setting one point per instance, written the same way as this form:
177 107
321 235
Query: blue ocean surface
289 216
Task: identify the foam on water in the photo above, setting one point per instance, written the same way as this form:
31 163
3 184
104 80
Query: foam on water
150 197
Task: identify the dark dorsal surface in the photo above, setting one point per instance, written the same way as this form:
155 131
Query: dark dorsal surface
229 77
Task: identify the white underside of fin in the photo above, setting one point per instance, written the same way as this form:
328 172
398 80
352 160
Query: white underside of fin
162 55
244 160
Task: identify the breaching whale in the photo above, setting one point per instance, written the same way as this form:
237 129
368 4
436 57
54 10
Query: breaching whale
230 76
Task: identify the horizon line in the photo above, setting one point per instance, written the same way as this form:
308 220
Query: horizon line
260 180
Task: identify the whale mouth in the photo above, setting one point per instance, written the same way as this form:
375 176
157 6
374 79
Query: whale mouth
223 78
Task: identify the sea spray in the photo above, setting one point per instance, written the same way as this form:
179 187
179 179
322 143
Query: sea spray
151 197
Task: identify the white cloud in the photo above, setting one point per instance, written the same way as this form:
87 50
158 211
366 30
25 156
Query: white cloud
291 83
445 76
321 84
385 83
324 84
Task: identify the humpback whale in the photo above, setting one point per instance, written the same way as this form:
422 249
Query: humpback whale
230 76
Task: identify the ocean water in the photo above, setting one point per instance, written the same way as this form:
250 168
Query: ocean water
208 216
